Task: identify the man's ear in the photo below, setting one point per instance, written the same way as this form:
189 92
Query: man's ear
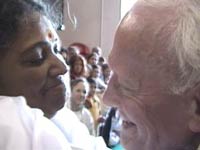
194 124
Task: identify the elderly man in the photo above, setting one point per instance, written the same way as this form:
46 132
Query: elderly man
156 80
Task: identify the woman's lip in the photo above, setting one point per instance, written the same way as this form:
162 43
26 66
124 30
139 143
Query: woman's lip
59 86
52 86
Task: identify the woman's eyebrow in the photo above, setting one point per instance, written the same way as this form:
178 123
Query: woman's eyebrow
34 47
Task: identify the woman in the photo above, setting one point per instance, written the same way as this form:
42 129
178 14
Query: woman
106 73
31 64
36 68
79 92
78 67
28 49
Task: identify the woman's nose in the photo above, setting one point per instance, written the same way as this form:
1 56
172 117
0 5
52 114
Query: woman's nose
58 66
83 94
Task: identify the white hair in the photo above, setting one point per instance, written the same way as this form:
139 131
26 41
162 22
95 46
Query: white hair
185 40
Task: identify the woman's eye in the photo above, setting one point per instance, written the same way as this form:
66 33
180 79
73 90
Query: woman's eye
35 61
56 49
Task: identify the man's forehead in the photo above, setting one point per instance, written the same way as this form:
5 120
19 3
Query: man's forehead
123 65
135 46
125 43
143 35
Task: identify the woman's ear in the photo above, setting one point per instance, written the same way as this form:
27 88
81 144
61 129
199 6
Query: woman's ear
194 124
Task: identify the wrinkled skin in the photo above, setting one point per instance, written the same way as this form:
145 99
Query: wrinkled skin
143 70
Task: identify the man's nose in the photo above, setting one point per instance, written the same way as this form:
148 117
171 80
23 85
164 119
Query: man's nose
111 96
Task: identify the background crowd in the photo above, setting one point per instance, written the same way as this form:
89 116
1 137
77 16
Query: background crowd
89 76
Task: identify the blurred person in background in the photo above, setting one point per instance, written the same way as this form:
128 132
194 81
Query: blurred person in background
78 67
79 92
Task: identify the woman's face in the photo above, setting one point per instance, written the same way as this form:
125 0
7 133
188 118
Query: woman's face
78 67
93 60
93 88
95 73
33 67
79 93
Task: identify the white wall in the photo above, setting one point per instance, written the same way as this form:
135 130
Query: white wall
126 6
97 21
110 19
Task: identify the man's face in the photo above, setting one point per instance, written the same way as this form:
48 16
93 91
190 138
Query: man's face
34 68
154 117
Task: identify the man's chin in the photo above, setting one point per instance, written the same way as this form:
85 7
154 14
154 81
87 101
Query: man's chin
136 144
131 144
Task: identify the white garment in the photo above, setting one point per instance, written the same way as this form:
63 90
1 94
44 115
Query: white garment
23 128
76 132
86 118
115 129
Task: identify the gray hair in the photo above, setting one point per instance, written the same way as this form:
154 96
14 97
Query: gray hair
185 40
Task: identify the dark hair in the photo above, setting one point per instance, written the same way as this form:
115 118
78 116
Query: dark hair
12 16
75 58
91 81
91 55
101 59
63 49
105 66
96 49
76 81
96 67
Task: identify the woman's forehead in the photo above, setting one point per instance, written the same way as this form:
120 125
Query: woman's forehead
39 30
